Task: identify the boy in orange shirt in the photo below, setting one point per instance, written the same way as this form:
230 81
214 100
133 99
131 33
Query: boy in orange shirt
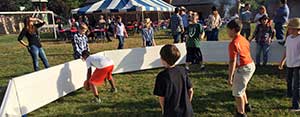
241 66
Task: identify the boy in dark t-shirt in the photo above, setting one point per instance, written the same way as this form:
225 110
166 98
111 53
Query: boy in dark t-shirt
173 86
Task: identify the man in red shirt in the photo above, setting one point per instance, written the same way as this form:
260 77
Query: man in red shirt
241 66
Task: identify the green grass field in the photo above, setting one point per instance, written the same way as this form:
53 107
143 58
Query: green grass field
135 98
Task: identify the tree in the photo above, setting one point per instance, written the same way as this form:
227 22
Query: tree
8 5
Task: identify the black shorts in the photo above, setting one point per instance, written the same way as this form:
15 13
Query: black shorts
193 55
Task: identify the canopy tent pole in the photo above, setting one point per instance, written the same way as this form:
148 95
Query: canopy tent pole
53 23
142 16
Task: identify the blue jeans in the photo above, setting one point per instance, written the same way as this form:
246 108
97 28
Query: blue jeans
296 87
279 31
176 37
36 52
262 48
213 35
121 42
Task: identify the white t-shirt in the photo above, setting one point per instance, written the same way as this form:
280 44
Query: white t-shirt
257 17
292 51
120 29
98 61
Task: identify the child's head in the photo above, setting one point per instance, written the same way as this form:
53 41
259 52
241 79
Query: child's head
294 26
234 27
85 54
264 20
83 28
169 54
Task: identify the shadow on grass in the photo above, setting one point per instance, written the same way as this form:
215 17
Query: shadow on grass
128 108
211 101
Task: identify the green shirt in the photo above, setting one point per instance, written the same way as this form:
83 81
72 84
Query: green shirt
194 32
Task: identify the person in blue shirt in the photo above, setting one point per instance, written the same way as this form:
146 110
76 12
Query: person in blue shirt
185 21
246 17
176 25
281 18
148 34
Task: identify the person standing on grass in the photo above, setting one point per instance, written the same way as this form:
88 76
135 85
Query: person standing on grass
241 66
292 58
120 32
263 35
185 21
213 25
262 11
246 17
173 86
176 25
281 18
80 41
104 68
195 34
34 46
148 34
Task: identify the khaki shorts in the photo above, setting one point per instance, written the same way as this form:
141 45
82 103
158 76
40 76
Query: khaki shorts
241 78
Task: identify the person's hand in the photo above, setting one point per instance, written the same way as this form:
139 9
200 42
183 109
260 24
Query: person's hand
115 36
126 35
28 47
280 67
269 41
229 81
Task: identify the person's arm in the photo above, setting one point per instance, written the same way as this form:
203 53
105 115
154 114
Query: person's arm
191 93
40 22
254 34
125 32
161 102
220 22
76 43
115 32
153 41
20 38
280 67
89 73
181 24
201 36
232 67
144 38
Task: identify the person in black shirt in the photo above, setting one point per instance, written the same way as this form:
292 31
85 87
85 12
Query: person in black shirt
30 31
173 86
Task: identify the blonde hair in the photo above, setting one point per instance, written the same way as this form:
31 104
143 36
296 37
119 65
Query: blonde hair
262 7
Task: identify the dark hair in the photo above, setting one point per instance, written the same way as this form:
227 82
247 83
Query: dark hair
30 28
85 53
283 1
119 17
247 4
235 24
214 8
170 54
263 17
177 10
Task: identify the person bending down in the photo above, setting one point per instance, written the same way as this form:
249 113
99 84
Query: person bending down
104 68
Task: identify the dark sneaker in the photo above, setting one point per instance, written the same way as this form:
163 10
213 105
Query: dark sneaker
248 108
113 90
202 67
281 43
240 115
